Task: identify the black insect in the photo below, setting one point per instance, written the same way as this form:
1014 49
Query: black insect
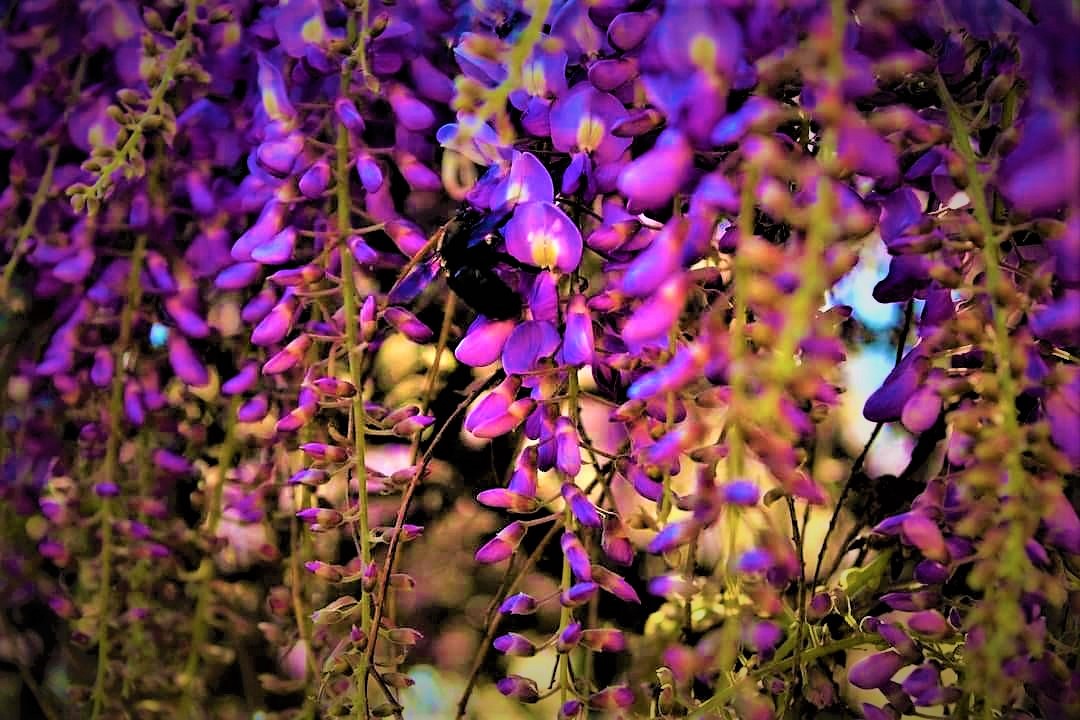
469 250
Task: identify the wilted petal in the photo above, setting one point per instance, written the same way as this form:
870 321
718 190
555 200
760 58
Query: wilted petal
520 688
519 604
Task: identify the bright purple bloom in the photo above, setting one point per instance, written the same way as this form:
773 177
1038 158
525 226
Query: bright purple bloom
584 511
541 234
575 555
876 670
653 179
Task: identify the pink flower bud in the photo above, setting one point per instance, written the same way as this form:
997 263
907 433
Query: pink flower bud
615 543
508 500
876 670
502 545
579 594
514 645
519 604
575 555
604 640
617 697
289 357
242 381
519 688
330 573
615 584
568 638
408 324
584 511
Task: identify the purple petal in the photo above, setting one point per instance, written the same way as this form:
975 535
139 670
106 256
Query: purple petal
653 179
527 344
541 234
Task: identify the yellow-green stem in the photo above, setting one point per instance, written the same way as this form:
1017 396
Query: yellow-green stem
740 278
176 56
200 630
111 470
1002 592
352 350
717 701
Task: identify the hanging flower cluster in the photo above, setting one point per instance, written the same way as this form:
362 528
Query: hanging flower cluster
346 342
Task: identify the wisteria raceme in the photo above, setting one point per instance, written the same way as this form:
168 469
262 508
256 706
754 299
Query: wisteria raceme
651 358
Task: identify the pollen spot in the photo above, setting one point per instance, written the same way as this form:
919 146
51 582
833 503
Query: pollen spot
590 133
122 28
545 251
517 192
533 79
312 31
96 135
703 52
232 34
270 103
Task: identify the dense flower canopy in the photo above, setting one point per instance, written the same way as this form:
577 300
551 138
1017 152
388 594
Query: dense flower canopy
629 358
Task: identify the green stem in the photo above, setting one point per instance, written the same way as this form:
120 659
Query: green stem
201 622
740 278
176 56
1003 591
352 351
111 470
722 697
